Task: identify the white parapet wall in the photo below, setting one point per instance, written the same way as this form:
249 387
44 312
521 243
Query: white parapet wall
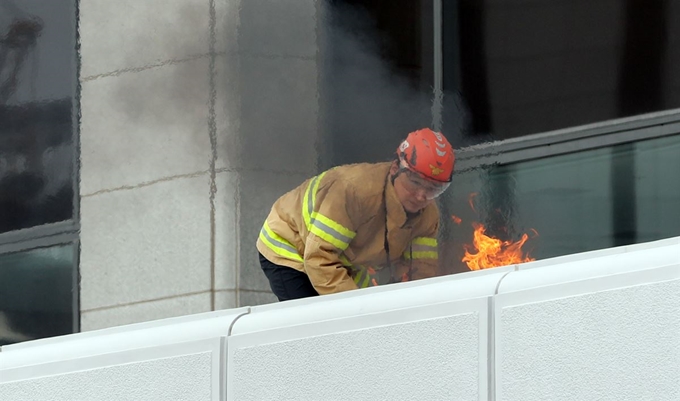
601 325
179 358
605 327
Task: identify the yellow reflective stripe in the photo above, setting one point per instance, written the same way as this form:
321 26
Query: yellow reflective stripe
306 214
363 277
328 238
422 248
320 225
339 228
366 281
345 261
331 231
309 199
314 190
421 255
357 278
279 245
427 241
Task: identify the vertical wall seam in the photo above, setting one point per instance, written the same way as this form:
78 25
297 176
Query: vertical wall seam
491 349
76 118
237 243
236 63
212 131
224 356
491 366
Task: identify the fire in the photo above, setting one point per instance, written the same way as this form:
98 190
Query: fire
492 252
487 252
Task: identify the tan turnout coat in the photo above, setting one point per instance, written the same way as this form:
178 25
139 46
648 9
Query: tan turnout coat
332 227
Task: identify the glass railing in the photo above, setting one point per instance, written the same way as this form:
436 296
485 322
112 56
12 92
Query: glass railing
37 294
568 203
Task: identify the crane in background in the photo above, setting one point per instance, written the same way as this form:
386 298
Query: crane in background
16 44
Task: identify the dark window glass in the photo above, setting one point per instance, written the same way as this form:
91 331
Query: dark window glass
37 294
513 68
576 202
37 87
530 66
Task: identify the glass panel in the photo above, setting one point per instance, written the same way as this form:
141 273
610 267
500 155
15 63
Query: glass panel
525 67
576 202
37 86
658 188
37 294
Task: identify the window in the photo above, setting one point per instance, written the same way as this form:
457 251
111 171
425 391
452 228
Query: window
527 66
518 79
576 202
36 297
377 77
38 179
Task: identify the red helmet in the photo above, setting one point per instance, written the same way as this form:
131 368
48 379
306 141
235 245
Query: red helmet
429 154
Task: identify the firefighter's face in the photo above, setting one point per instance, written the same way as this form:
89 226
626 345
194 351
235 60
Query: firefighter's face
413 192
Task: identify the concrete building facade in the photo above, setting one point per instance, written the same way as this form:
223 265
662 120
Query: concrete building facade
160 133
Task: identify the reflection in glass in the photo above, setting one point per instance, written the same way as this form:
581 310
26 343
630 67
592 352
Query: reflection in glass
526 67
576 202
513 68
37 81
37 294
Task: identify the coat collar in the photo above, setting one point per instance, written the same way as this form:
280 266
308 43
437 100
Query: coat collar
396 215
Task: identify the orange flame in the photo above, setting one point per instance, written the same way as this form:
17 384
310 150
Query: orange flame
456 219
492 252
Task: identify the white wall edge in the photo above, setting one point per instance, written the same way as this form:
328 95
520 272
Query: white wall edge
121 339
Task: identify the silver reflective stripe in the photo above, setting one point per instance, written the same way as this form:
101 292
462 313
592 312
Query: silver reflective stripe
328 230
423 248
277 242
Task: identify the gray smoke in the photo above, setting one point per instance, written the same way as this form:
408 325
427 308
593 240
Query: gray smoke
369 105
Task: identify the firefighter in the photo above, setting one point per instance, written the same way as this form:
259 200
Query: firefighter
359 225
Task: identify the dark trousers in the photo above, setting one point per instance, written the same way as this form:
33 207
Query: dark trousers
286 282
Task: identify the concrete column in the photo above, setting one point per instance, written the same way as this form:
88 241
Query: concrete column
147 160
278 121
196 116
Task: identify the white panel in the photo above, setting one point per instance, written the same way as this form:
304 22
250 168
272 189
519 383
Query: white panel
422 340
599 264
440 357
186 371
463 286
599 253
584 337
120 339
